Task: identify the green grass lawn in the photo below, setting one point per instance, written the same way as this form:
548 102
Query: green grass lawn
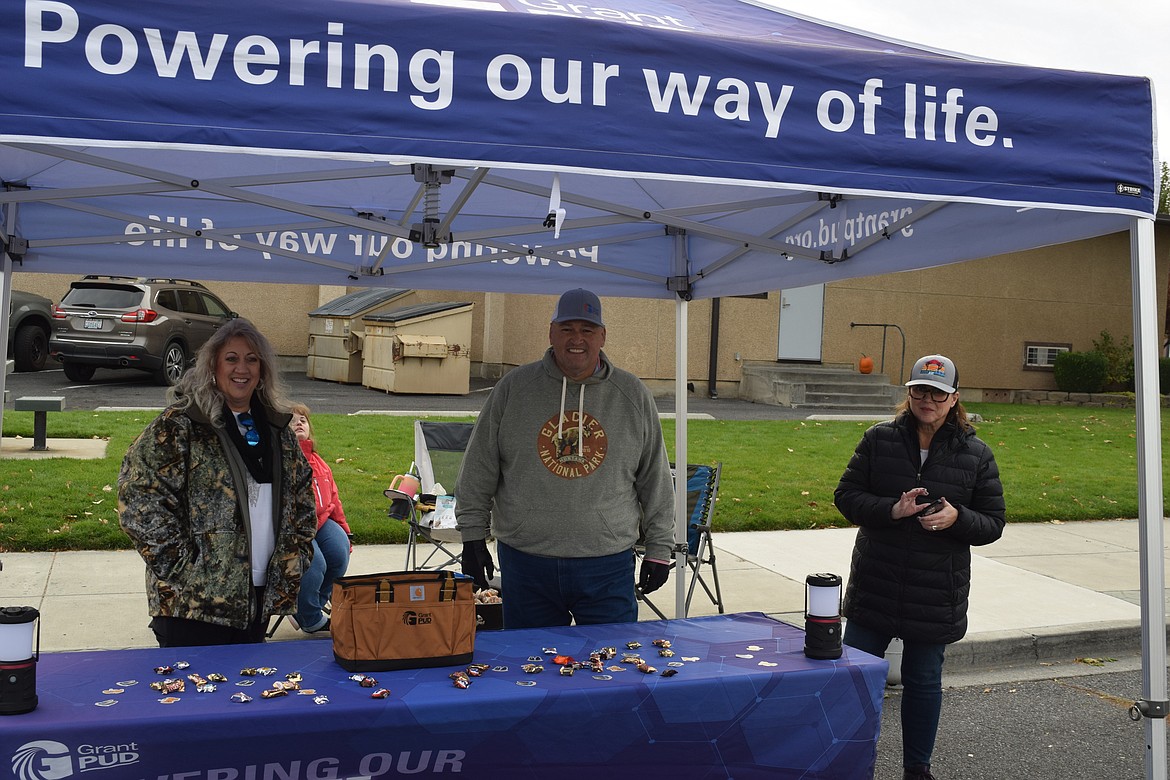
1057 463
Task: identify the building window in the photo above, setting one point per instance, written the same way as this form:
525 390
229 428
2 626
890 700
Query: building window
1040 356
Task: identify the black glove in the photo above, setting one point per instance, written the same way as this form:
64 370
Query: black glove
652 576
477 562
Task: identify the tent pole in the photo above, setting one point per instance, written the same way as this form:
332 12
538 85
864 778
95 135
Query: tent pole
1149 469
680 456
5 301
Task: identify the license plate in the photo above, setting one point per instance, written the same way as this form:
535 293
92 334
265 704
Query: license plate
93 324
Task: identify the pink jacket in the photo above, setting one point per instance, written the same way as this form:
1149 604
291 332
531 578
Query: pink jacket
324 488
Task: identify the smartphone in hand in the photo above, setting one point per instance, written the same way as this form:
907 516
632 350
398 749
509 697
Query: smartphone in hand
930 508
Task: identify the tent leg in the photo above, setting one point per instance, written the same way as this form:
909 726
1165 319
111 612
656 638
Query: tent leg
1147 346
680 456
9 227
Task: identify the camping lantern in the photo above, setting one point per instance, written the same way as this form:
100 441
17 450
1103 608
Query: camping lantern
18 659
822 616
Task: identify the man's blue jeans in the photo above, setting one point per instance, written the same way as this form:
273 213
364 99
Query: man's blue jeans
922 664
540 591
330 560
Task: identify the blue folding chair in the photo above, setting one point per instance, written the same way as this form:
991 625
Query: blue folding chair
702 488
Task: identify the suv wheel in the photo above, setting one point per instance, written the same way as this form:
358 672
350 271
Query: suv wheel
79 372
31 348
174 363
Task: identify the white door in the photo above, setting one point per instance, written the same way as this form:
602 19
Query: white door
801 323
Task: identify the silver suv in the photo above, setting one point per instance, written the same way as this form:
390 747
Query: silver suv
149 324
29 320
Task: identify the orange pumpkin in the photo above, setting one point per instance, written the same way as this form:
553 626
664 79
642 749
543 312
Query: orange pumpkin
865 365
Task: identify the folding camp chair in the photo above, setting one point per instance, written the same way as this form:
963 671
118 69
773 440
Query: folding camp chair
702 488
438 453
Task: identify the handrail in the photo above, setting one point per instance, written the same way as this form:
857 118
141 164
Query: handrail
885 326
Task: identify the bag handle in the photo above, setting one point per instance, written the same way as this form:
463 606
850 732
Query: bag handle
384 593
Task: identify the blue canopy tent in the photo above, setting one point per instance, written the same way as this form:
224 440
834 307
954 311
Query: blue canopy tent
681 150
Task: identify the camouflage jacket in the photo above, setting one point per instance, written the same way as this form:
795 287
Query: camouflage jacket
183 500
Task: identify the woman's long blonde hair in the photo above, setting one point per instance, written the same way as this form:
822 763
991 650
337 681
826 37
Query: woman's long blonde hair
197 386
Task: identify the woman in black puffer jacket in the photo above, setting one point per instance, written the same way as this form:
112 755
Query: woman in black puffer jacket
911 570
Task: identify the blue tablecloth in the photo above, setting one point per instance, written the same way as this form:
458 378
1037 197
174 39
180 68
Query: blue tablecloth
745 703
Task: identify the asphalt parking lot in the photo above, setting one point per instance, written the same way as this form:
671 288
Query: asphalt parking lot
126 389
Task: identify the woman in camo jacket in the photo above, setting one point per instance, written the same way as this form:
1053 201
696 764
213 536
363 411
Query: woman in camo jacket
218 499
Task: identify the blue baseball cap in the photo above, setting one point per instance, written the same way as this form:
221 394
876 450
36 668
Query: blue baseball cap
579 304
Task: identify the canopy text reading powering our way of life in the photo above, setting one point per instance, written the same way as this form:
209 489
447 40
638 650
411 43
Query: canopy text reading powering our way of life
54 33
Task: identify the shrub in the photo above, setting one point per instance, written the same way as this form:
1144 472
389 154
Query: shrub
1119 358
1164 375
1080 372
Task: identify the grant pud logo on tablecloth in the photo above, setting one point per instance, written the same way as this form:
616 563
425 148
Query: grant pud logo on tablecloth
46 759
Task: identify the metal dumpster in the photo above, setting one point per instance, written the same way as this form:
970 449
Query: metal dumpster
424 348
336 332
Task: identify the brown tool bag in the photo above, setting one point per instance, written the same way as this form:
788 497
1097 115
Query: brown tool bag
403 620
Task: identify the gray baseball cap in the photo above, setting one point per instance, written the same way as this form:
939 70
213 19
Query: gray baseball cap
579 304
937 371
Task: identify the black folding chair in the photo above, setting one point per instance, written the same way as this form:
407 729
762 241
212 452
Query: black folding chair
438 454
702 488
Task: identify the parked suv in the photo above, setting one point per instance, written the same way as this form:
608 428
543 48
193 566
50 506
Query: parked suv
153 325
29 319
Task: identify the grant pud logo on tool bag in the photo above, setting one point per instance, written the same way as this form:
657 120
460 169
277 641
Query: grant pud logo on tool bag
558 447
417 618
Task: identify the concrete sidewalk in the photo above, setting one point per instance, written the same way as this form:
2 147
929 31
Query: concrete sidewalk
1043 596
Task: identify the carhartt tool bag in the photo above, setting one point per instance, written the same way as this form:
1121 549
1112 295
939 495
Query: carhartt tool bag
403 620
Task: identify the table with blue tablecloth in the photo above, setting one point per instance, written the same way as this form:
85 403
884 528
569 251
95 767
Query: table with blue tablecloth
743 702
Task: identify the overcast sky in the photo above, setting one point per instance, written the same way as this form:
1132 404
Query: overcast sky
1128 37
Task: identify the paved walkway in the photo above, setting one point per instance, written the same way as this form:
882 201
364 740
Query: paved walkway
1045 594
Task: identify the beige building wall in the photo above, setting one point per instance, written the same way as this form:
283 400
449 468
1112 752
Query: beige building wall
640 336
980 313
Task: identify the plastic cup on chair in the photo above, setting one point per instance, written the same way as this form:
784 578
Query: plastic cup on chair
406 483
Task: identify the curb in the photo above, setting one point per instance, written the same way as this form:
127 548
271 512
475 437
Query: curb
1001 650
998 649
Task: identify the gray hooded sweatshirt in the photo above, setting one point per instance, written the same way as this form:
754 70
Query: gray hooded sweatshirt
534 482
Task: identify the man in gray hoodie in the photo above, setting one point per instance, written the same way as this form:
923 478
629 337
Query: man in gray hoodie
567 468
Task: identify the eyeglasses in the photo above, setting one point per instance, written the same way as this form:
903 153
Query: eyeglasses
251 435
919 393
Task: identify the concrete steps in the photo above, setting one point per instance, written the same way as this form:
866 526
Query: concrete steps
818 387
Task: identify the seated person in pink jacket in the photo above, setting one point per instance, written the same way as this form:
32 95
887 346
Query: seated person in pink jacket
331 546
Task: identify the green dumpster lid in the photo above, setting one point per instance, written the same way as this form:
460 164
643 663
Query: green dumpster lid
415 310
355 303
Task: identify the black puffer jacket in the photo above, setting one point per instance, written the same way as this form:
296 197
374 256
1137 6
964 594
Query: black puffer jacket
905 581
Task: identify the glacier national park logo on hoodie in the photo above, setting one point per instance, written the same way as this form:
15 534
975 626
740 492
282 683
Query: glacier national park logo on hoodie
573 449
